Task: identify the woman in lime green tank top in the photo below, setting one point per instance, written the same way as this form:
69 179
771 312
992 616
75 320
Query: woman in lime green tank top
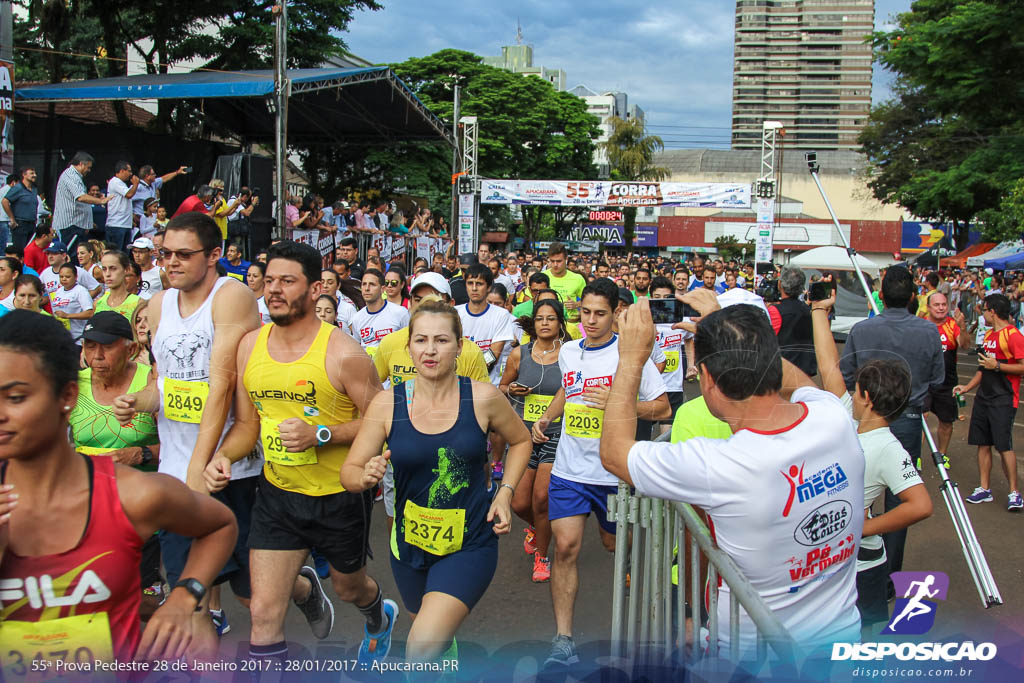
110 350
117 297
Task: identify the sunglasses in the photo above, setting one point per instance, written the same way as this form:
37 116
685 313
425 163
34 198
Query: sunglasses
392 283
182 254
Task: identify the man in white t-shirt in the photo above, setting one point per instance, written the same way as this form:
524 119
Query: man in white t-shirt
579 483
785 463
57 256
379 317
491 327
121 189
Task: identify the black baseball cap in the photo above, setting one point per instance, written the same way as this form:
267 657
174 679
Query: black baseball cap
106 327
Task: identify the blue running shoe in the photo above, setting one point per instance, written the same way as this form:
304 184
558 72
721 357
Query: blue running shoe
323 570
220 621
375 647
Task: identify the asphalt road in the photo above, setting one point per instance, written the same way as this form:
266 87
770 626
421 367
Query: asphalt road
507 635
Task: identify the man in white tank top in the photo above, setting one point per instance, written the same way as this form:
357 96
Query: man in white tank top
196 328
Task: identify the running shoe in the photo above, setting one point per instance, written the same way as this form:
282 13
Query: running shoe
375 648
378 494
317 609
529 544
541 569
980 495
154 591
220 621
497 470
1014 501
323 569
563 652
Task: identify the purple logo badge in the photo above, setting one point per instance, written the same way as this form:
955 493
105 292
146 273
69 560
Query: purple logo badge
916 592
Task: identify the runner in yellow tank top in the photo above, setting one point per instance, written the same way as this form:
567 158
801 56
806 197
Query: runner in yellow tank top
302 386
300 389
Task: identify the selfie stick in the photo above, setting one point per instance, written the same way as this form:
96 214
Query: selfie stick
975 556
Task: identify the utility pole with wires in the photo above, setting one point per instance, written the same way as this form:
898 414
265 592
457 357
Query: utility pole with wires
277 103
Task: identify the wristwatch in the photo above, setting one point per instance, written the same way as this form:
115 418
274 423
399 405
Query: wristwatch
323 435
147 455
195 589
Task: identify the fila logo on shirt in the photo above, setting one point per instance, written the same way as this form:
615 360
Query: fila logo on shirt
830 480
39 591
575 384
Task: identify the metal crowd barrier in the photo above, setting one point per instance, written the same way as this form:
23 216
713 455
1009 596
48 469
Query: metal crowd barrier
649 622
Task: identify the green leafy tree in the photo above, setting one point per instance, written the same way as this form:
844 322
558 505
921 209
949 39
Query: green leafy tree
950 145
527 129
631 153
731 248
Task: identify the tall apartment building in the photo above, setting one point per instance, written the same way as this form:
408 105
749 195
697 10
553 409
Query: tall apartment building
804 63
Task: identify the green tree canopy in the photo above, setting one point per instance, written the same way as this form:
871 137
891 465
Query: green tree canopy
950 144
527 129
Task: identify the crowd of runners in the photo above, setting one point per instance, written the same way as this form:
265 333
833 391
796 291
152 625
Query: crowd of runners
286 405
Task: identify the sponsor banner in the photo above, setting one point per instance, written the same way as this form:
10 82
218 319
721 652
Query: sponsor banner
321 240
783 234
613 193
6 118
466 205
614 235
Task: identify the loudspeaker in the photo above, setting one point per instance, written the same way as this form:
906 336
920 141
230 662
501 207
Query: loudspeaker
257 173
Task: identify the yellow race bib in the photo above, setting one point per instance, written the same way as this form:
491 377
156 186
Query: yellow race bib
439 532
80 639
671 362
184 401
274 450
534 406
582 421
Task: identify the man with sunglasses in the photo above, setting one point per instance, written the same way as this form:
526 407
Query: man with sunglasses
196 329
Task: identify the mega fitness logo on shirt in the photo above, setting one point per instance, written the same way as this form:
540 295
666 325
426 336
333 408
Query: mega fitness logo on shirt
575 385
829 480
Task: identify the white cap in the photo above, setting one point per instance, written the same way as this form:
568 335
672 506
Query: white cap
143 243
434 280
736 295
989 271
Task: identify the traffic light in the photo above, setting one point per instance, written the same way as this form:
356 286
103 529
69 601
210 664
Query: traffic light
465 185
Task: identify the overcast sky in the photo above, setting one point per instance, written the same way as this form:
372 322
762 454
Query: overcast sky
673 59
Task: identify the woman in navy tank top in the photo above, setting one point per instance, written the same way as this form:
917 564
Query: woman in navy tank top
444 547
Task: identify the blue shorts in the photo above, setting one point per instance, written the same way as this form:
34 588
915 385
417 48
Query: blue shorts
465 575
570 498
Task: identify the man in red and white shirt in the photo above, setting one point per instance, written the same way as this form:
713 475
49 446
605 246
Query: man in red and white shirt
940 400
995 405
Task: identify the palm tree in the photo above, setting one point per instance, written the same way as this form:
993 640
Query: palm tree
631 157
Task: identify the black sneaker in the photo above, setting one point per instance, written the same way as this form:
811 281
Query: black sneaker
563 652
317 608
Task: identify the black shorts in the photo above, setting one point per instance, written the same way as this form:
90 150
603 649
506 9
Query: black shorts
543 453
992 425
941 402
149 566
337 525
675 399
238 495
872 600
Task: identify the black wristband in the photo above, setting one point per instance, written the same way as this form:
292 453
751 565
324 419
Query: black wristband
147 455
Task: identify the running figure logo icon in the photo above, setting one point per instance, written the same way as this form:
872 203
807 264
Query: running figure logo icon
914 613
